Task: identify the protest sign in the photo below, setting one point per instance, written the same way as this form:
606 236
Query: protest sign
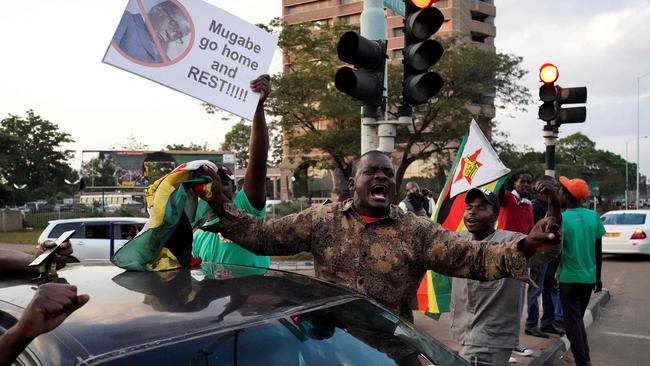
195 48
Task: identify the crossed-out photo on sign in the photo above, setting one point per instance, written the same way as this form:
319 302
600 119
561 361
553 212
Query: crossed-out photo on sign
154 32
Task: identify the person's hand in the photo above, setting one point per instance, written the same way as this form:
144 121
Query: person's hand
216 199
262 85
598 286
544 238
62 255
50 306
545 188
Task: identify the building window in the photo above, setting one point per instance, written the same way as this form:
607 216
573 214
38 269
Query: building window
398 54
345 2
398 32
479 37
478 16
288 10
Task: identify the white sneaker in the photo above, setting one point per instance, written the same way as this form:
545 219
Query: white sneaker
512 360
522 351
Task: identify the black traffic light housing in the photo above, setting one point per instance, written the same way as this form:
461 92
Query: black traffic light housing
366 82
554 96
420 53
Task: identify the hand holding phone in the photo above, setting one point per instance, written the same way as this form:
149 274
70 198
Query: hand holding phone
40 259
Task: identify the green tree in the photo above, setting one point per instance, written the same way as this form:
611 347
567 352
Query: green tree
191 147
236 141
306 100
32 154
100 172
577 156
238 138
316 116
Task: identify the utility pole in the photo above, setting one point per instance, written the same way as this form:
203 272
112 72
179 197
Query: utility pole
373 27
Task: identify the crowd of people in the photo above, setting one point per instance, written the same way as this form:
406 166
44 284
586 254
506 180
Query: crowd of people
514 237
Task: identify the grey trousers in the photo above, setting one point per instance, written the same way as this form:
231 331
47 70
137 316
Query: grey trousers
484 356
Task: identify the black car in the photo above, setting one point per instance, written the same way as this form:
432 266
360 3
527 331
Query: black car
219 315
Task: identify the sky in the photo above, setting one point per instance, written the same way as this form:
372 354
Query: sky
53 50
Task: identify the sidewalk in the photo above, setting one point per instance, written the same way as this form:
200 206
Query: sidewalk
546 350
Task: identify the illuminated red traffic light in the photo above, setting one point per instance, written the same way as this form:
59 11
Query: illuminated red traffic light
548 73
422 3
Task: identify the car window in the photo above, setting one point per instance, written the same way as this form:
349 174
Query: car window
128 231
97 231
624 219
352 333
59 229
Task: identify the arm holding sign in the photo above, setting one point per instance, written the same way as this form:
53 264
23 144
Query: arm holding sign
255 178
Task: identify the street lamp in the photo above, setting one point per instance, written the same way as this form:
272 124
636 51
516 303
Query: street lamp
638 139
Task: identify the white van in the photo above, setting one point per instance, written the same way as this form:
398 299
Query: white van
92 238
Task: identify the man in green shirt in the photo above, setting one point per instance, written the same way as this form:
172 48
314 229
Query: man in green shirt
250 199
580 265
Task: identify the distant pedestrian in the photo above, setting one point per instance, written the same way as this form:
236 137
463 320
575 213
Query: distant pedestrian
430 202
516 212
415 201
580 265
541 202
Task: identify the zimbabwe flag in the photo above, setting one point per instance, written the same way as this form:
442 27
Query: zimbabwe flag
166 240
476 165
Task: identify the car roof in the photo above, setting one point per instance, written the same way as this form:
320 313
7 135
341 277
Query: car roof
133 310
627 212
102 219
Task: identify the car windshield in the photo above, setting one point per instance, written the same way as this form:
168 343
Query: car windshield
351 333
624 219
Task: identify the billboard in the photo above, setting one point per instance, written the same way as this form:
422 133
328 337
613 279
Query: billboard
129 168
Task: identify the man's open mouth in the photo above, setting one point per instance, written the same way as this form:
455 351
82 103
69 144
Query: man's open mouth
471 221
379 192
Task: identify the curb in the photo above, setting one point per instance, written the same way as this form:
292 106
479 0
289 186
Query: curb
562 344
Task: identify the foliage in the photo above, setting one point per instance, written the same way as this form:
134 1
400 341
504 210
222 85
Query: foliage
32 154
312 111
576 157
100 172
132 143
236 141
515 158
191 147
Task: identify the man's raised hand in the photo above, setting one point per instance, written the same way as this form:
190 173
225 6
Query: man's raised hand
262 85
544 239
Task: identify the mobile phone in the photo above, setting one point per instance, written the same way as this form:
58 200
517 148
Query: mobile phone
60 240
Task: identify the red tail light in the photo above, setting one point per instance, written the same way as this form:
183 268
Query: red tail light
639 234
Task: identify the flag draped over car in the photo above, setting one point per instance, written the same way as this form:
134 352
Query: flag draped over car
166 240
476 165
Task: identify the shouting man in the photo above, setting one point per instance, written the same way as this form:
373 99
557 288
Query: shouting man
370 245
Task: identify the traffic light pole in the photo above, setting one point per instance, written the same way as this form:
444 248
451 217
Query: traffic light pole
373 27
550 137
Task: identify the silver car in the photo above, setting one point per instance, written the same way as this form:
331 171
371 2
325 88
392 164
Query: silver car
96 238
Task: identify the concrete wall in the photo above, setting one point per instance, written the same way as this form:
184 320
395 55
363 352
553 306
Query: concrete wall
10 220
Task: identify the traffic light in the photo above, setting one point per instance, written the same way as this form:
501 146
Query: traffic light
554 96
366 83
420 52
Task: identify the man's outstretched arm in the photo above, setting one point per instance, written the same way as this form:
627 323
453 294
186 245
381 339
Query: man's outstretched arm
287 235
284 236
255 178
447 253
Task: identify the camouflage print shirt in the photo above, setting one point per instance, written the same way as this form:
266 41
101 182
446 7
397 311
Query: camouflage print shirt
384 260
